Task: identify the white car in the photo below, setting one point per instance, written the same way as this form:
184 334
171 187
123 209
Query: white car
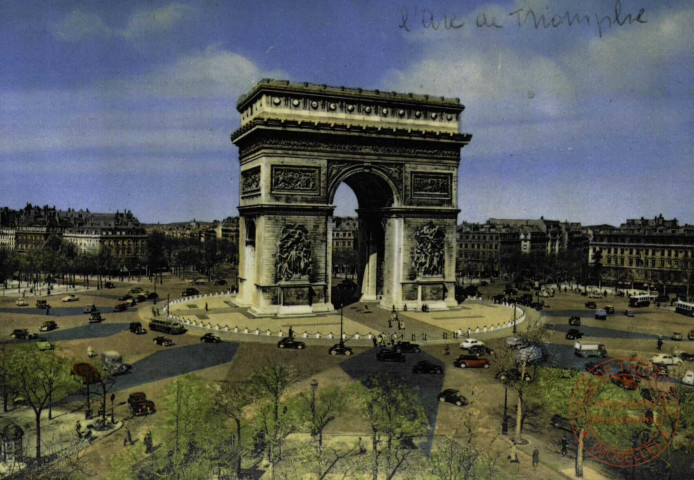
70 298
515 342
666 360
688 378
470 342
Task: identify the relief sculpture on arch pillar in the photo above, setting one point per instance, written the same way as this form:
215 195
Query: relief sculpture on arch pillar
294 256
428 255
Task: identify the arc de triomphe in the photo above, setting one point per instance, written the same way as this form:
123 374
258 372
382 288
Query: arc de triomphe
398 152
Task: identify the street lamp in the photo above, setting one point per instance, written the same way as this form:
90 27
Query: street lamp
314 388
514 317
113 398
504 422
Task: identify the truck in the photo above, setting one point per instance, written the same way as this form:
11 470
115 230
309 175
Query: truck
589 349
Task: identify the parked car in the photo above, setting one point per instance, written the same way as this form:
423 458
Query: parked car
471 361
512 375
340 349
139 405
22 303
90 308
575 321
688 378
591 305
625 380
687 357
389 355
70 298
600 315
42 304
109 285
424 366
562 423
48 325
22 334
515 342
141 297
290 343
95 317
44 345
665 359
480 350
609 309
407 347
629 313
677 336
164 341
210 338
470 342
453 396
573 334
136 328
120 307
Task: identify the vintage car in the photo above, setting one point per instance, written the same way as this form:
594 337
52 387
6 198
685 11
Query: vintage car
471 361
453 396
424 366
340 349
289 343
48 325
139 405
70 298
22 303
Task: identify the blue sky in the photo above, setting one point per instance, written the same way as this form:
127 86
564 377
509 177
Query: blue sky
129 105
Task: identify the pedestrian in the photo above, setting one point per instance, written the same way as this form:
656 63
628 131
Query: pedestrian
446 351
374 341
78 429
128 436
660 342
206 309
360 446
404 308
148 442
536 457
90 351
291 333
468 332
564 446
390 323
48 310
513 455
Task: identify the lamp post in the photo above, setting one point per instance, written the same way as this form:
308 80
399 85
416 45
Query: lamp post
504 422
514 317
155 289
113 398
314 388
168 306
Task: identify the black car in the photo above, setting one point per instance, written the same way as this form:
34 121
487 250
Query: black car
512 375
591 305
390 355
687 357
163 341
480 350
340 349
561 423
575 321
407 347
152 295
48 326
188 292
95 317
136 328
210 338
22 334
291 343
125 297
573 334
109 285
425 366
220 282
453 396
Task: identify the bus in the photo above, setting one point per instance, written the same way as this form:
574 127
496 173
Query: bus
685 308
166 325
642 300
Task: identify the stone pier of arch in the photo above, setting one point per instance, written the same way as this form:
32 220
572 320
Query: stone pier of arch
400 155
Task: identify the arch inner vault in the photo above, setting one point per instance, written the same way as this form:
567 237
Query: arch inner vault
399 153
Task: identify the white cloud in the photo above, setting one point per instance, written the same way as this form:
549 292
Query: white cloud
79 24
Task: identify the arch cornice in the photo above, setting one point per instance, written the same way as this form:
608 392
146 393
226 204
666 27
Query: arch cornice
390 173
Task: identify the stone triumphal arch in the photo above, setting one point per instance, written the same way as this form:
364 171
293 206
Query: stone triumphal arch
398 152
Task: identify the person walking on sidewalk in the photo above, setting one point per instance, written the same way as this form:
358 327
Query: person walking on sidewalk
564 446
536 457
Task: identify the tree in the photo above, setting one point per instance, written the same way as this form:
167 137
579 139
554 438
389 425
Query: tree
37 376
274 421
231 399
394 413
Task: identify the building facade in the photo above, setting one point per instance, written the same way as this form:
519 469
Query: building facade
645 251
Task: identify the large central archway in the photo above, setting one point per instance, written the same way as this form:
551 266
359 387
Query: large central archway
399 153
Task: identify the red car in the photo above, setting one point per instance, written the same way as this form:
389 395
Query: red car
471 361
626 381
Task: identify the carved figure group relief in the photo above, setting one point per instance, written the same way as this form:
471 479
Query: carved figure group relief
295 179
294 259
428 255
431 185
250 181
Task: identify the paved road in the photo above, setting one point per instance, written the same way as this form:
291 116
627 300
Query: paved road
58 312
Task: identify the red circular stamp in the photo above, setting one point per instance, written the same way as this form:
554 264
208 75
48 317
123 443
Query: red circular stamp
625 411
